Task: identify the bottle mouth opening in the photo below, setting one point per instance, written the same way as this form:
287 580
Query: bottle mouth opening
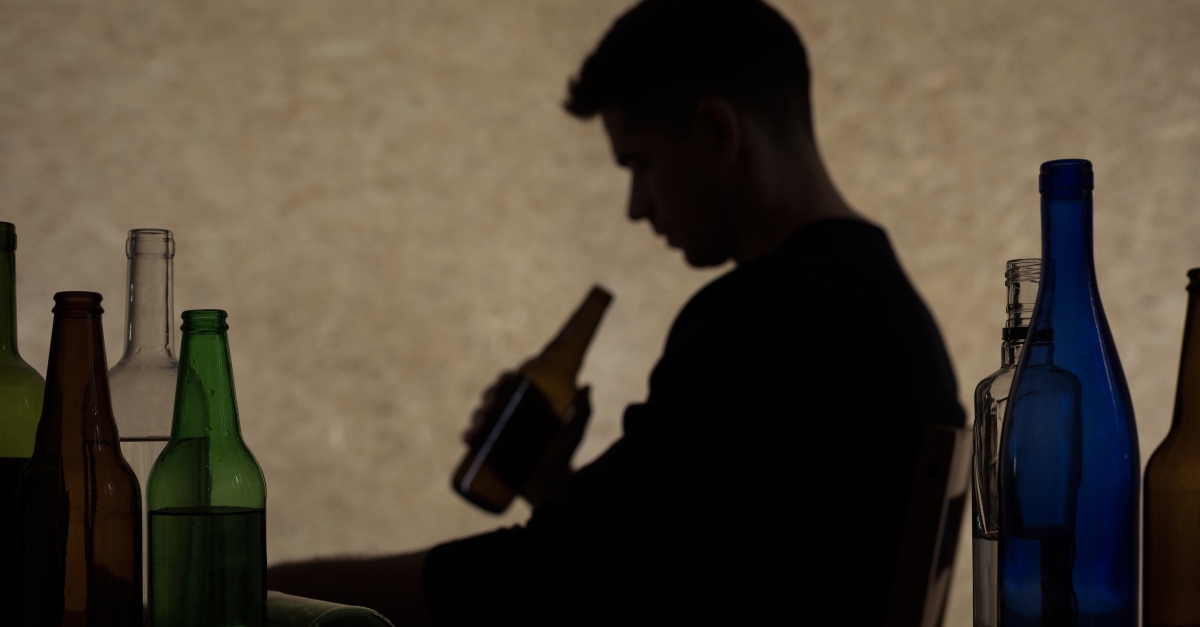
1022 271
150 242
204 320
1066 174
78 302
8 236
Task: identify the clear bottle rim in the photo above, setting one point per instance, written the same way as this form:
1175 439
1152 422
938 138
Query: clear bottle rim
150 242
1022 270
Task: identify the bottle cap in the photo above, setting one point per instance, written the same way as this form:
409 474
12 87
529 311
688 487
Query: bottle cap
1194 280
8 236
1064 174
77 303
204 320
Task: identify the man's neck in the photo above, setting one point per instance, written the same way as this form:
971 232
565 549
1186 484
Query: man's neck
788 189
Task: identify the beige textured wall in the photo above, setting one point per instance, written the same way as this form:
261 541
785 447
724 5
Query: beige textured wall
388 201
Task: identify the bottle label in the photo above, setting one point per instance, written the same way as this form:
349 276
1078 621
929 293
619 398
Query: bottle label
518 435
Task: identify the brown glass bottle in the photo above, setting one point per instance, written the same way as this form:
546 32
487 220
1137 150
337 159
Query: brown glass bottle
1171 545
530 411
79 519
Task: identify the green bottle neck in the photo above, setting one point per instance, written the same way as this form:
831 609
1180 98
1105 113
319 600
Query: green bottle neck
205 401
8 304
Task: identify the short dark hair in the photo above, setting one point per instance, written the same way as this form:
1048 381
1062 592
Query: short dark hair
663 56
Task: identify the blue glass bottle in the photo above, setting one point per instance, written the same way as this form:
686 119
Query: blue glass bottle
1069 474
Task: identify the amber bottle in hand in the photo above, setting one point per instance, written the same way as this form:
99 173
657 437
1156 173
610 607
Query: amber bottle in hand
79 536
532 408
1171 546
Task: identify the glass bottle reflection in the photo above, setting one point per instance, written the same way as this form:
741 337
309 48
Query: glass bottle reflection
143 381
79 513
21 391
208 497
1021 278
1171 563
1069 477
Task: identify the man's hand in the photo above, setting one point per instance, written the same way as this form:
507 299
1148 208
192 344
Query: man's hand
487 406
555 467
552 472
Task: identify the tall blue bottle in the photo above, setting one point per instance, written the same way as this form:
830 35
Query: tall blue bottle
1069 475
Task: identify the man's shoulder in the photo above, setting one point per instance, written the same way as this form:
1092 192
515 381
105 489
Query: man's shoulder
817 266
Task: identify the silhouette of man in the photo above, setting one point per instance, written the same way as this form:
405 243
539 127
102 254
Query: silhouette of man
766 475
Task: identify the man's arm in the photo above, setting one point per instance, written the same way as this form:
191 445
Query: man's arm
390 585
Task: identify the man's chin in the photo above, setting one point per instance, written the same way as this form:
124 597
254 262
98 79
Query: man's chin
701 259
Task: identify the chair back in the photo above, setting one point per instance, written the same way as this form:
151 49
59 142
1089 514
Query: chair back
935 517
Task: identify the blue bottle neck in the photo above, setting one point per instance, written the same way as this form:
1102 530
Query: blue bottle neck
1067 240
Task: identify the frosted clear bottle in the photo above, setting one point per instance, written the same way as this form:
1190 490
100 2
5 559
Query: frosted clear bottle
143 381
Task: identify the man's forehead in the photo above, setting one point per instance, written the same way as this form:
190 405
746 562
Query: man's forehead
623 138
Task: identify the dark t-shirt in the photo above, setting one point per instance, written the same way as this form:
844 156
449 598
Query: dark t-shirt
766 475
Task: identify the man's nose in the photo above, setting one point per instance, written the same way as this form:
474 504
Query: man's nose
639 201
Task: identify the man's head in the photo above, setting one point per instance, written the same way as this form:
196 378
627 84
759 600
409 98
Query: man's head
678 82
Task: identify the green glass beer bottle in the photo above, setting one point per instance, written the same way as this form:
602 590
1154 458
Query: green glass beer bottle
21 390
208 552
79 510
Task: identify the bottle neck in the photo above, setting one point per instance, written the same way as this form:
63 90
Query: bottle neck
565 352
1187 392
1010 353
205 401
1021 278
8 303
1067 242
77 378
148 313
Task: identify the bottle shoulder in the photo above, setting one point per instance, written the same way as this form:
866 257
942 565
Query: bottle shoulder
1000 378
14 372
145 363
100 460
1177 458
143 399
555 384
193 472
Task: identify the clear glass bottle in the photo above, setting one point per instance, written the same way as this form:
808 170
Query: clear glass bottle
991 399
531 411
21 390
79 518
143 381
1069 469
1171 562
208 497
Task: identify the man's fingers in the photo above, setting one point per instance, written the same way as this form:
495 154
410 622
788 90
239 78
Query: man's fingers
487 405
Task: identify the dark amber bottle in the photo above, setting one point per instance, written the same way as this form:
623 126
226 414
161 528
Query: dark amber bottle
531 411
1171 546
79 535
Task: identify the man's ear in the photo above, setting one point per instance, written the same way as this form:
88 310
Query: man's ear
720 128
